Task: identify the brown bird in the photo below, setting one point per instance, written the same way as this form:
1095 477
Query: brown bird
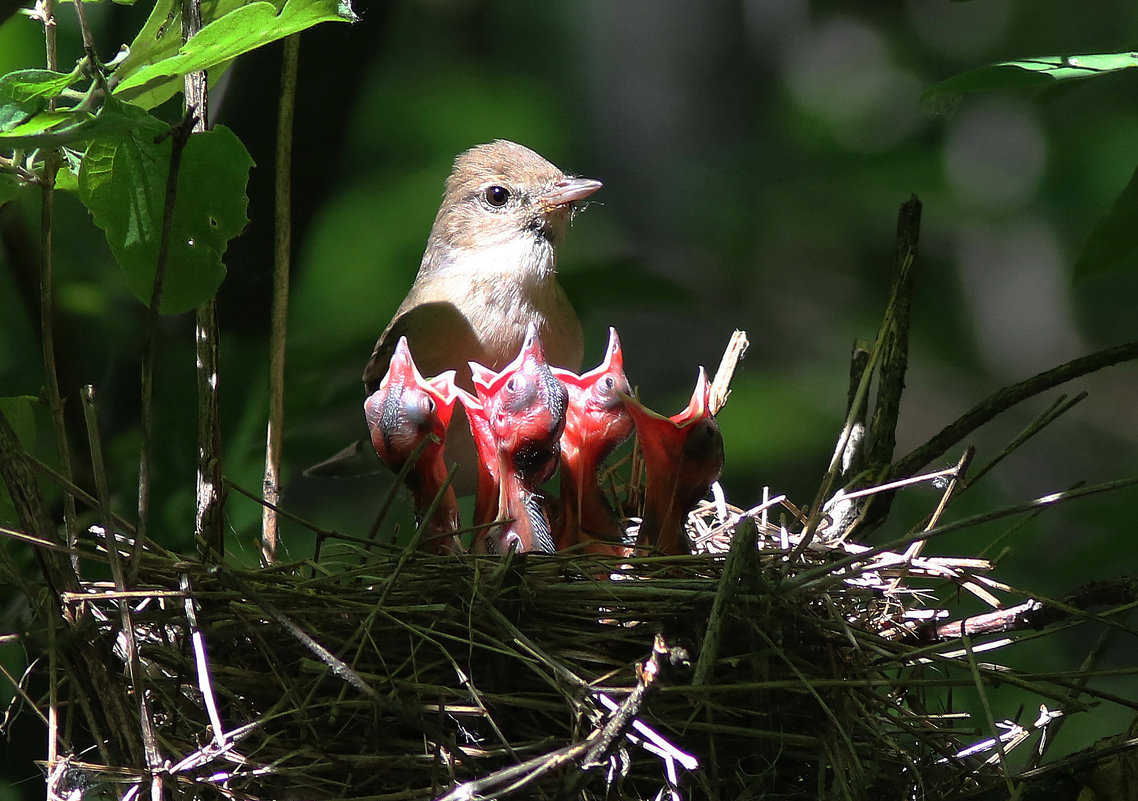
490 266
489 270
407 413
595 424
683 456
517 428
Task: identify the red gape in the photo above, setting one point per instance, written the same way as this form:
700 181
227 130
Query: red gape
683 456
595 424
516 422
404 411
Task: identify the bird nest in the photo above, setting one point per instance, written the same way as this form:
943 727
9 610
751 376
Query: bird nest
781 659
781 668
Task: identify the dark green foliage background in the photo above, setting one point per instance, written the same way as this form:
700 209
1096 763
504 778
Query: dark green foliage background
754 156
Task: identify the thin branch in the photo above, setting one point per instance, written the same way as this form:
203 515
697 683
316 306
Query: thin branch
881 436
129 639
178 135
282 257
855 411
721 385
1008 397
208 529
47 335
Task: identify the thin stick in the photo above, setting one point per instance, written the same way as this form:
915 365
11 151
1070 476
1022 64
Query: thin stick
853 414
1008 397
282 255
179 135
833 568
721 386
129 641
739 559
986 705
208 529
54 399
1061 406
47 307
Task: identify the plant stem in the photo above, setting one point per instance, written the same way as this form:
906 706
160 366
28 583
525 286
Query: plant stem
282 246
208 529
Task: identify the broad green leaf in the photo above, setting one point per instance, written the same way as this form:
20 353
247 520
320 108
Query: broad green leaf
237 32
123 184
161 38
58 128
161 35
9 188
1031 73
162 91
25 93
1113 243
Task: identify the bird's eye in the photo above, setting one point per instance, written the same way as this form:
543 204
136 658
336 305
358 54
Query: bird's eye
497 195
610 382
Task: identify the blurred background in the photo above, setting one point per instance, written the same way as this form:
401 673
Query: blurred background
754 156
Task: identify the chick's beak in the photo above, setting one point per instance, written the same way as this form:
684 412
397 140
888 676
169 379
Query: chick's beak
683 456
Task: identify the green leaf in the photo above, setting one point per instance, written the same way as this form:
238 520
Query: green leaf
244 29
161 35
58 128
123 184
161 38
25 93
1113 243
1031 73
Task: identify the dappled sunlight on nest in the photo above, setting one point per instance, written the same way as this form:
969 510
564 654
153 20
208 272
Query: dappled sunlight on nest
783 658
764 664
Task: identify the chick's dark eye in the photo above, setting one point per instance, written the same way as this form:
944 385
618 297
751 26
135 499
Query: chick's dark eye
497 195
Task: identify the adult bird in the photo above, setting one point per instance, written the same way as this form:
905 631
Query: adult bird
489 271
683 456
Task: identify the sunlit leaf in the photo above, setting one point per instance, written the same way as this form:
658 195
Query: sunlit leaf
1031 73
237 32
58 128
161 38
1113 243
123 184
25 93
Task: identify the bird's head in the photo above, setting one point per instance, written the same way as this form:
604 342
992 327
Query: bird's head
502 193
525 405
407 407
685 451
596 411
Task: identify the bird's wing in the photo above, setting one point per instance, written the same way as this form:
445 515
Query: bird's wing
376 367
451 342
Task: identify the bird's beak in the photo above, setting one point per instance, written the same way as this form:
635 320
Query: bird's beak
487 382
661 429
613 363
569 190
401 370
